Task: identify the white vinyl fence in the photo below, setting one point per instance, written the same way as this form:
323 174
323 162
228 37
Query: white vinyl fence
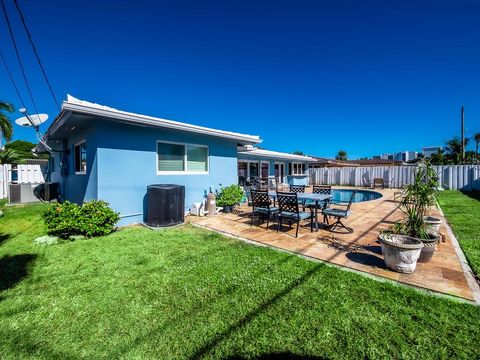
451 177
22 175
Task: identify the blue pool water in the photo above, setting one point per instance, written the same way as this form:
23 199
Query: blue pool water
343 195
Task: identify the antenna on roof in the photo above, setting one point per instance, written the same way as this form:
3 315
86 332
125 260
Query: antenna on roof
34 120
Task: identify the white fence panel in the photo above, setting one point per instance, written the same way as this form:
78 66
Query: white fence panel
24 174
455 177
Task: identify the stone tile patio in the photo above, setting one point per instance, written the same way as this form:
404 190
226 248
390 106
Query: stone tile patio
358 250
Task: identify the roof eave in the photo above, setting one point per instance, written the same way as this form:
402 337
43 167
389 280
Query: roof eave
163 123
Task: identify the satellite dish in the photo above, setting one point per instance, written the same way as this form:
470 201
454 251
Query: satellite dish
37 119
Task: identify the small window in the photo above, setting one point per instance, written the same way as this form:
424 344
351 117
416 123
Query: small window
298 169
80 152
197 158
253 169
187 158
171 157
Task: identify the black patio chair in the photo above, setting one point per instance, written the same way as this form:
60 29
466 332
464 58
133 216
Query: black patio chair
323 190
262 205
289 210
339 214
299 189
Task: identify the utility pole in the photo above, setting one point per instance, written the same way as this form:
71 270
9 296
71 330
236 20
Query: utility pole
463 134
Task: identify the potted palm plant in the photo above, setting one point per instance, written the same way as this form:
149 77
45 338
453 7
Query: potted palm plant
229 197
419 197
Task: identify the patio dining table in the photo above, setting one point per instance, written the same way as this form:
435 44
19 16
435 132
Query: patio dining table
316 198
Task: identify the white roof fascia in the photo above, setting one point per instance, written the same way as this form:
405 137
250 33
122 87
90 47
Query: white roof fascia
276 155
79 106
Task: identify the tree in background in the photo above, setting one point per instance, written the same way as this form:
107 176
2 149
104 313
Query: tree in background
341 155
298 152
454 150
438 158
8 157
6 128
23 149
476 137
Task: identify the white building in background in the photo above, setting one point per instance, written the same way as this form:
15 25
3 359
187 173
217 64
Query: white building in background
428 151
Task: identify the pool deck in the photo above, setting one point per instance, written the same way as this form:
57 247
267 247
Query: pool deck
446 273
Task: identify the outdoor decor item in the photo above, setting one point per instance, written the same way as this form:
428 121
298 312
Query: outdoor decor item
433 224
400 252
230 196
419 197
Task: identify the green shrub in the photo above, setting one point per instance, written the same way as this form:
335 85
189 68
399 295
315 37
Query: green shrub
93 218
230 195
97 218
63 219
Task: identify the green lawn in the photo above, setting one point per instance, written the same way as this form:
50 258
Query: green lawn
463 214
188 293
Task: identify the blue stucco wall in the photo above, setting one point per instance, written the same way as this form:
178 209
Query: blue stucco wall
126 163
76 187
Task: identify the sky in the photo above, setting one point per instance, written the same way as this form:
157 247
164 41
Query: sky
314 76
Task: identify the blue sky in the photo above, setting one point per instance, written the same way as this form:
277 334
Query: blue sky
316 76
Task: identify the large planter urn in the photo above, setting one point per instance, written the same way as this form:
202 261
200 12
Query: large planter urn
433 224
429 246
400 252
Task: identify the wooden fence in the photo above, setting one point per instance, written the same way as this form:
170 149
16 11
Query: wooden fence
22 174
451 177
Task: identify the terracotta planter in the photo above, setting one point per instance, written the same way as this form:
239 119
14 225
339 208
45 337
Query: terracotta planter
433 223
429 246
400 252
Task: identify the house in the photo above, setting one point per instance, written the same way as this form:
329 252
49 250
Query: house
283 167
113 155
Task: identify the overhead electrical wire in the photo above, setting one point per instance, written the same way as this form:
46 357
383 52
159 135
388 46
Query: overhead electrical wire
36 54
12 80
18 55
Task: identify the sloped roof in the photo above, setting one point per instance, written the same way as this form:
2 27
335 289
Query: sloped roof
74 105
275 155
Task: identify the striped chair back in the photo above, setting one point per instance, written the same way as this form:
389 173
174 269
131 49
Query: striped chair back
287 202
322 189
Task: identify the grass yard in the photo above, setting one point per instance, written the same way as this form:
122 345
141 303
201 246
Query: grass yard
463 214
188 293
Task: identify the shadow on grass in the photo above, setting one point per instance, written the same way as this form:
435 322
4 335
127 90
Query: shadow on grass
13 269
280 356
4 237
242 322
472 194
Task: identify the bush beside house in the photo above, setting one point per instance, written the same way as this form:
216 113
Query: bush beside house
93 218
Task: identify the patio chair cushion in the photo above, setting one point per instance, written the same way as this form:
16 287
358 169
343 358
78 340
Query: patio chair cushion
336 212
302 215
265 210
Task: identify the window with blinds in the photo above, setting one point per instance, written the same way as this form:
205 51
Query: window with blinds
186 158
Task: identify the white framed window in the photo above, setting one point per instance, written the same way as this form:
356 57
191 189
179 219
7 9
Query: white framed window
180 158
80 158
298 168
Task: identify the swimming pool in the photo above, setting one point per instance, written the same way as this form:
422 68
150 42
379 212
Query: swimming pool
343 195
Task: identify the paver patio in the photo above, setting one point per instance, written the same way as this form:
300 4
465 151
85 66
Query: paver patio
358 250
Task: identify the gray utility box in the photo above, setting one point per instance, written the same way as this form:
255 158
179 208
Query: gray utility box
22 193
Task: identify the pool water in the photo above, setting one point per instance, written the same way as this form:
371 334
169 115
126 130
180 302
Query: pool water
343 195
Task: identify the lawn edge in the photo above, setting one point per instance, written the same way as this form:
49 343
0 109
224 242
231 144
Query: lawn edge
420 289
467 270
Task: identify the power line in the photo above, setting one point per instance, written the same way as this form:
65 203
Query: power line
12 80
36 53
18 55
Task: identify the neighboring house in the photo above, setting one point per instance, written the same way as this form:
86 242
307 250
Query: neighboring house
283 167
428 151
112 155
